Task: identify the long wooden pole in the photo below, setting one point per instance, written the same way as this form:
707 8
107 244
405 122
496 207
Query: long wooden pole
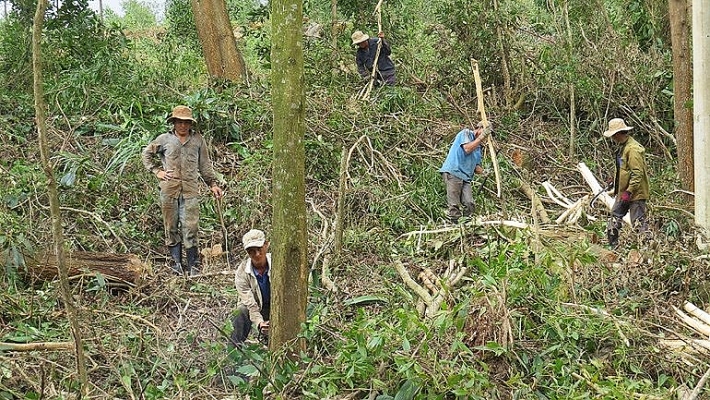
484 119
701 110
368 87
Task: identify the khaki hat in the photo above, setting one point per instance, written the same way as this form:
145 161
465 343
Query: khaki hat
359 37
616 125
183 113
253 238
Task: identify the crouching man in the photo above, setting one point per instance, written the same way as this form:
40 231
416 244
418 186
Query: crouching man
254 288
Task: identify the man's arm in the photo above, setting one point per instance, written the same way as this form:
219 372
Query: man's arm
207 170
469 147
636 163
246 296
360 61
148 156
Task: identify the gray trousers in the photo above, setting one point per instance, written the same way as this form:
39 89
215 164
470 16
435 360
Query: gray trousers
637 212
458 195
180 220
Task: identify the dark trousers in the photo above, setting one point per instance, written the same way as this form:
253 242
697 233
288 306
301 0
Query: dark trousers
242 324
637 212
458 194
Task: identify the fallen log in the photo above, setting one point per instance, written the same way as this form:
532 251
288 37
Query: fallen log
125 268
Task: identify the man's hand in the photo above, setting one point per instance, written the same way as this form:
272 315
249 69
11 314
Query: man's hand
381 35
625 197
216 191
164 175
264 327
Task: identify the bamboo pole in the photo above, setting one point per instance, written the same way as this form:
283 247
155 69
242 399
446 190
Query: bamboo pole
368 88
484 119
5 346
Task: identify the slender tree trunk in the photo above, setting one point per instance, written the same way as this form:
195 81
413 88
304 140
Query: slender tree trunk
57 231
504 61
678 13
217 38
570 77
701 105
334 33
290 268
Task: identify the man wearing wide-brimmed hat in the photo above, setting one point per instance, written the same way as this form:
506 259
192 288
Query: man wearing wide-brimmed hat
179 159
631 187
365 57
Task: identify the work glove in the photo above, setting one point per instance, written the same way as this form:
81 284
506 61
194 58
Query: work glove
625 197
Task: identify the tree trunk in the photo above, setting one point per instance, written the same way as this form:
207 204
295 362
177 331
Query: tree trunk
504 62
701 105
334 33
290 268
572 100
217 38
682 80
126 268
57 231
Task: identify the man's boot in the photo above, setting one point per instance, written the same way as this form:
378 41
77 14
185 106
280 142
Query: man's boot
193 261
176 254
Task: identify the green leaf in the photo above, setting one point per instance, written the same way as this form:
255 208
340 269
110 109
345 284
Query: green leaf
367 299
407 391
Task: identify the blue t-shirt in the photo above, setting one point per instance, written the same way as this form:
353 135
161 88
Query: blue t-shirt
458 163
264 287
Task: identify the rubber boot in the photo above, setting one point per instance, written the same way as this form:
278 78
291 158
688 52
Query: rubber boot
193 261
176 254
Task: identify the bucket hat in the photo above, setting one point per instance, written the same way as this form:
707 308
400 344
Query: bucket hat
616 125
359 37
181 112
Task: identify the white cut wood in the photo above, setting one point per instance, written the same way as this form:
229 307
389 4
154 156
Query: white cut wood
552 194
696 324
597 188
697 312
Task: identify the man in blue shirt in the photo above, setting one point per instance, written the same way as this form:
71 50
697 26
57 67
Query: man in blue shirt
463 160
254 288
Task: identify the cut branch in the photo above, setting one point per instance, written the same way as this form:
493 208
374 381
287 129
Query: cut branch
5 346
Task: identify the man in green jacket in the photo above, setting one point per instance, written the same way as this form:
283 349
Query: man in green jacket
631 188
178 159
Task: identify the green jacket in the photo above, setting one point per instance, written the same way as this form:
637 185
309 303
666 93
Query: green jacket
631 170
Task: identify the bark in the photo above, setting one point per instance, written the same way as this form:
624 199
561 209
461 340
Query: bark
572 101
701 111
37 346
126 268
504 62
219 47
678 13
57 231
290 268
340 212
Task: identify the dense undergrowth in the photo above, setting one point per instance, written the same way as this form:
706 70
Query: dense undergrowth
541 313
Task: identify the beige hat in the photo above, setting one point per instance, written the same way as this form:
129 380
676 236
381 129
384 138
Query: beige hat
253 238
616 125
359 37
183 113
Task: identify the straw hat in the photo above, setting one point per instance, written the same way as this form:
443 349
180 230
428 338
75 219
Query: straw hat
359 37
616 125
183 113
